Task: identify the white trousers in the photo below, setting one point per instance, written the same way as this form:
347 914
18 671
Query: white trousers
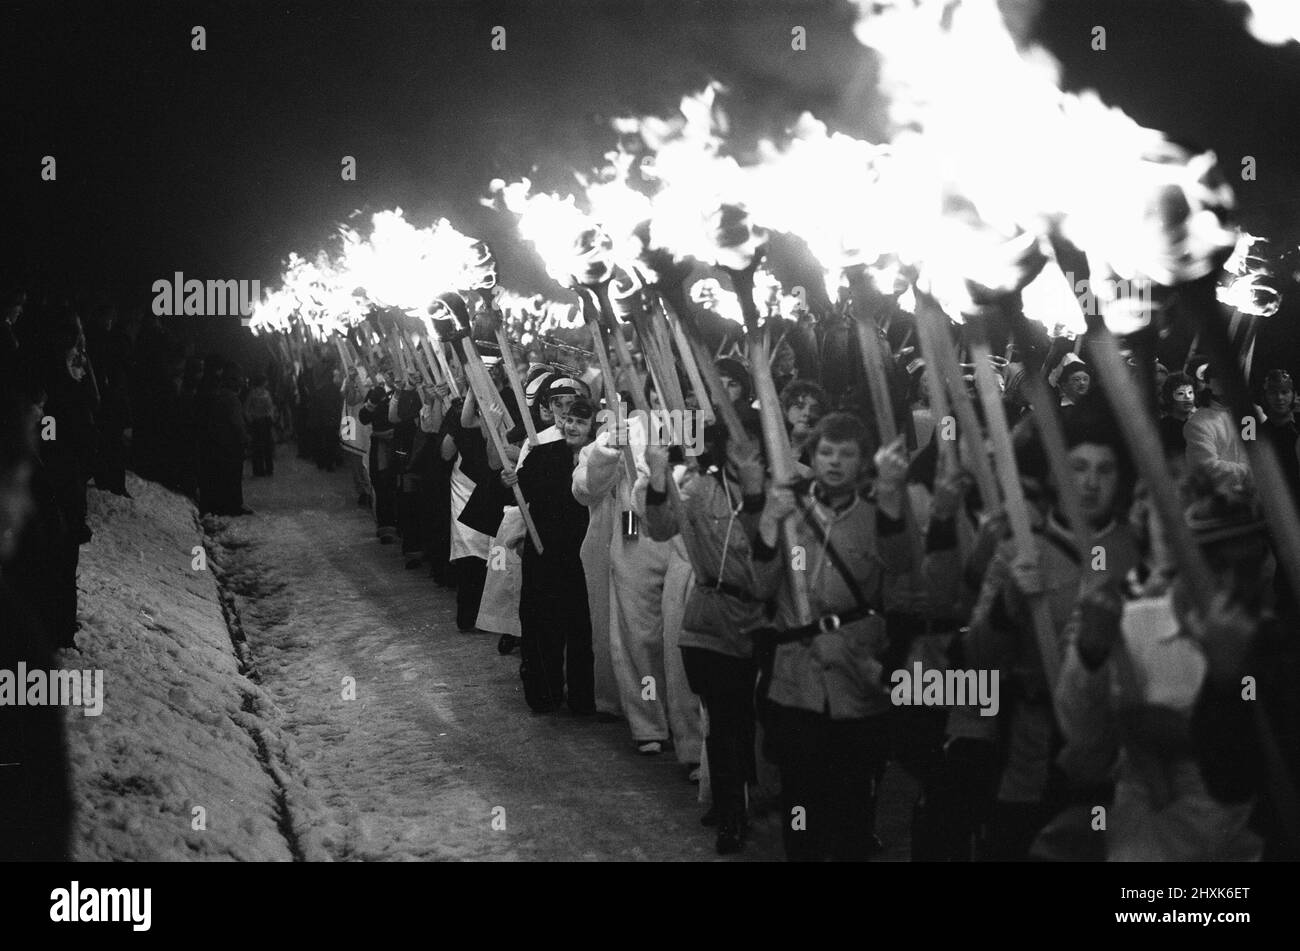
595 564
649 584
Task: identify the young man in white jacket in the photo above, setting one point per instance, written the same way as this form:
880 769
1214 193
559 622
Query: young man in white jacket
1214 438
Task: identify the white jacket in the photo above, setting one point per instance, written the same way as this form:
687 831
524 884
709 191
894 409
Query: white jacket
1214 442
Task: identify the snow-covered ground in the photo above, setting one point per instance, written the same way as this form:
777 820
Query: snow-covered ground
181 726
438 756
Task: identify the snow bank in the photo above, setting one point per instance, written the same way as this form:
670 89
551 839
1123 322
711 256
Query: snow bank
182 729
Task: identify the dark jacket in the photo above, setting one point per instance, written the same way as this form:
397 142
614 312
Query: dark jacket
408 422
68 457
1171 435
224 433
326 404
110 356
546 478
1285 437
381 432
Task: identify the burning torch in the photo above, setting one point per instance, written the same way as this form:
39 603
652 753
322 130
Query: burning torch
740 248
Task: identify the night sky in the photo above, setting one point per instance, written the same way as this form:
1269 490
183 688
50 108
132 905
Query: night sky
218 163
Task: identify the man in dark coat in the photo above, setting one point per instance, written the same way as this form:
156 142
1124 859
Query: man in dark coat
67 448
374 413
325 415
221 465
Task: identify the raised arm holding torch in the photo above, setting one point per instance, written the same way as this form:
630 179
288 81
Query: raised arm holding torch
780 456
476 376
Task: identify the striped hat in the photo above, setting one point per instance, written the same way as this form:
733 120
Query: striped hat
537 383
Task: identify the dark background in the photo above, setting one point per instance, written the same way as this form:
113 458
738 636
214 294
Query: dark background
218 163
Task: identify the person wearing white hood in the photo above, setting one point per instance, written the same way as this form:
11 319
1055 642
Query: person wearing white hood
602 527
1214 438
648 586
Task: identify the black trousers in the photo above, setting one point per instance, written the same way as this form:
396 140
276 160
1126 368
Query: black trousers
956 801
54 594
408 515
35 804
263 446
232 482
110 462
555 626
209 484
221 483
726 687
325 447
1012 828
433 509
470 574
384 484
828 769
306 436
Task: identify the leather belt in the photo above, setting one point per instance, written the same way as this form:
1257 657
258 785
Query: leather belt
826 624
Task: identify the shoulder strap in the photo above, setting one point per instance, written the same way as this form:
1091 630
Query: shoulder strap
856 589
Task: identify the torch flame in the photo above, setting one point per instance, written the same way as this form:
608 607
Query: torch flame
321 293
995 133
710 295
1249 287
1274 21
272 313
400 265
571 244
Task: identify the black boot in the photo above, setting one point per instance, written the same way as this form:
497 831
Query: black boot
731 835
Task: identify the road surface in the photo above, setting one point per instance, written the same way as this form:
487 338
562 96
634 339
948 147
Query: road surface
437 756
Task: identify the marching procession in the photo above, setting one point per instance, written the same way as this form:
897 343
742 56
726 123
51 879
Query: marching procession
820 459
